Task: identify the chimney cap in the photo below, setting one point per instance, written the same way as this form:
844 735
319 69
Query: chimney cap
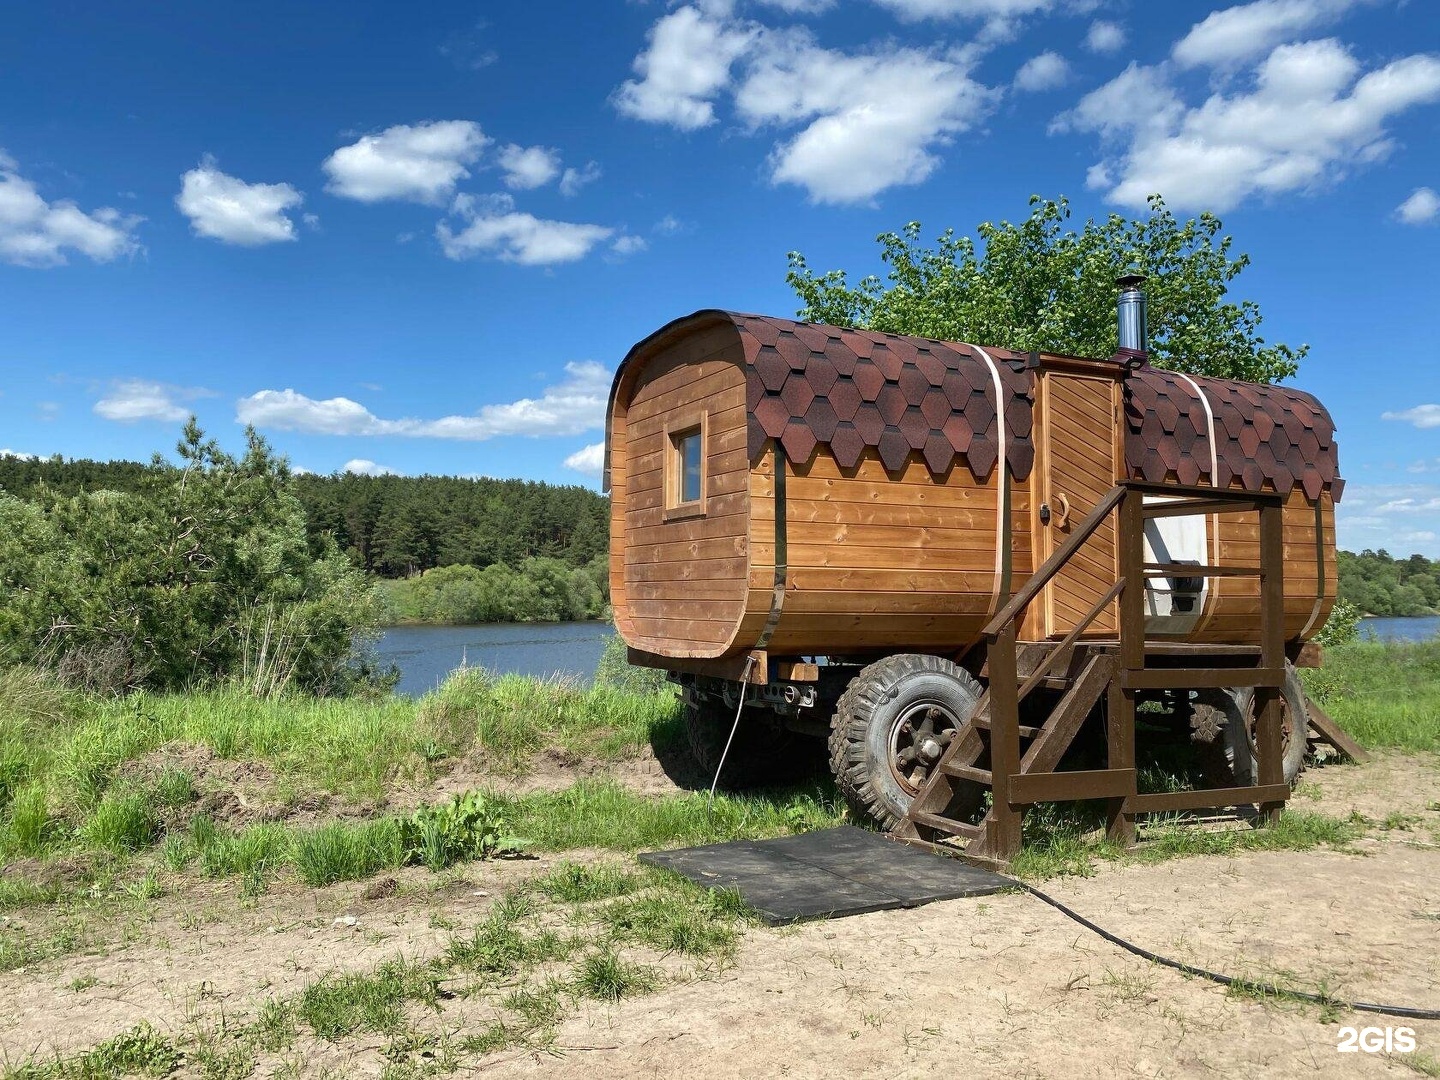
1130 281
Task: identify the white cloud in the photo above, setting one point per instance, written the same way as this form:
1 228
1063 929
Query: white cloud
1105 37
1309 116
1043 72
7 452
1389 516
420 163
129 400
669 225
574 179
685 65
1422 416
1237 34
1421 208
1001 17
873 119
494 227
37 233
800 7
629 245
573 406
366 467
528 167
590 460
224 208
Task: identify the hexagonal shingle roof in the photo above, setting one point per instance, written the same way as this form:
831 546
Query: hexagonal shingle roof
810 384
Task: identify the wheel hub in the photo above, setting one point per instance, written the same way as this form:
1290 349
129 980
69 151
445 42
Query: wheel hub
918 741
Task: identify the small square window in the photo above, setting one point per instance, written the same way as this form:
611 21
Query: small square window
685 471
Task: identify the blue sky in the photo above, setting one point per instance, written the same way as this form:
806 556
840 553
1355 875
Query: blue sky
419 237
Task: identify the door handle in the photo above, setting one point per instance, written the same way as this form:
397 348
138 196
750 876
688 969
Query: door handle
1062 509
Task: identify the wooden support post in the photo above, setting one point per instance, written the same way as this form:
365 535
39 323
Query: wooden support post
1003 839
1268 706
1120 701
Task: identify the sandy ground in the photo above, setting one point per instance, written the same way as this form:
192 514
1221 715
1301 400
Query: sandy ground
1003 985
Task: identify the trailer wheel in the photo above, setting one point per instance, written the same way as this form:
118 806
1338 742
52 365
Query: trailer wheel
761 753
1235 708
890 727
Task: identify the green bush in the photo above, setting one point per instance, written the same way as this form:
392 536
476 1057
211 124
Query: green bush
203 575
614 669
1342 626
470 826
539 590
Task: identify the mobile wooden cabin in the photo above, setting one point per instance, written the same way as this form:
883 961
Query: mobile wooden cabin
784 491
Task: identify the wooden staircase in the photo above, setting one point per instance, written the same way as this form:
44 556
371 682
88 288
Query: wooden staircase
1017 764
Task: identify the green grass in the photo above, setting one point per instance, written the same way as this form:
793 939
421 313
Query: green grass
141 1051
339 1005
1386 694
1062 840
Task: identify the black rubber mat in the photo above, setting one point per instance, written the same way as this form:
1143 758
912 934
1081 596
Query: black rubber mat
828 874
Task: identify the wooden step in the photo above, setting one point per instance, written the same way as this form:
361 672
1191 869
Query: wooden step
946 825
983 723
966 772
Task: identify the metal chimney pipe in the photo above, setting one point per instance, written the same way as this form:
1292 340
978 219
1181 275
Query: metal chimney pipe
1131 312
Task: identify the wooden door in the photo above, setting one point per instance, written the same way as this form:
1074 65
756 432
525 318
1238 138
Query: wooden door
1080 460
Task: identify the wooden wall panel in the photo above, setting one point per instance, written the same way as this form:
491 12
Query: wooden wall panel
679 585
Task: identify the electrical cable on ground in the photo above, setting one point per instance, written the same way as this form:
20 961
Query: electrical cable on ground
1405 1011
744 685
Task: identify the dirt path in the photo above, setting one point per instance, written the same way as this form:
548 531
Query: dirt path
1000 986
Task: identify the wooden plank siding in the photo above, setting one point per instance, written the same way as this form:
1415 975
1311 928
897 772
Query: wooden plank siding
679 583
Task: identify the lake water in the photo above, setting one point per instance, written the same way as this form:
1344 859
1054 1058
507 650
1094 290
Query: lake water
425 655
1419 628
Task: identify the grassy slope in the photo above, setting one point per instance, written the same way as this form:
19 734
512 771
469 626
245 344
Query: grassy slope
1386 695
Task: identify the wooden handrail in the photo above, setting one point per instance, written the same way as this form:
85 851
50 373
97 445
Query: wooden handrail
1069 639
1021 600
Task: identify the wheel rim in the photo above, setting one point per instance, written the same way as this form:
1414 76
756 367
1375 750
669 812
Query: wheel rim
917 741
1287 730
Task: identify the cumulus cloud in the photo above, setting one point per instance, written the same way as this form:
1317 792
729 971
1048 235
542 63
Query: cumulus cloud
863 121
1001 18
1422 416
1389 515
366 467
492 226
223 208
872 120
1043 72
590 460
129 400
686 63
528 167
7 452
1105 37
1234 35
571 407
800 7
1308 115
37 233
1421 208
419 163
629 245
572 180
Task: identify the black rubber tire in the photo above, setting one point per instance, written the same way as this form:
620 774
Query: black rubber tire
1237 736
867 713
761 753
1234 741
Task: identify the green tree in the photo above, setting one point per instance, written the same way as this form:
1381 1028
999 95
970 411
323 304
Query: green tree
204 574
1041 286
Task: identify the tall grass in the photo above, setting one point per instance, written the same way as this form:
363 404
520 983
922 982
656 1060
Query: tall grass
1386 694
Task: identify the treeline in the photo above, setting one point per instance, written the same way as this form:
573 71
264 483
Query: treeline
539 590
393 526
200 574
1379 584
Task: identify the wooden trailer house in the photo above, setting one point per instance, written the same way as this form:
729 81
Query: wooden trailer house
895 541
